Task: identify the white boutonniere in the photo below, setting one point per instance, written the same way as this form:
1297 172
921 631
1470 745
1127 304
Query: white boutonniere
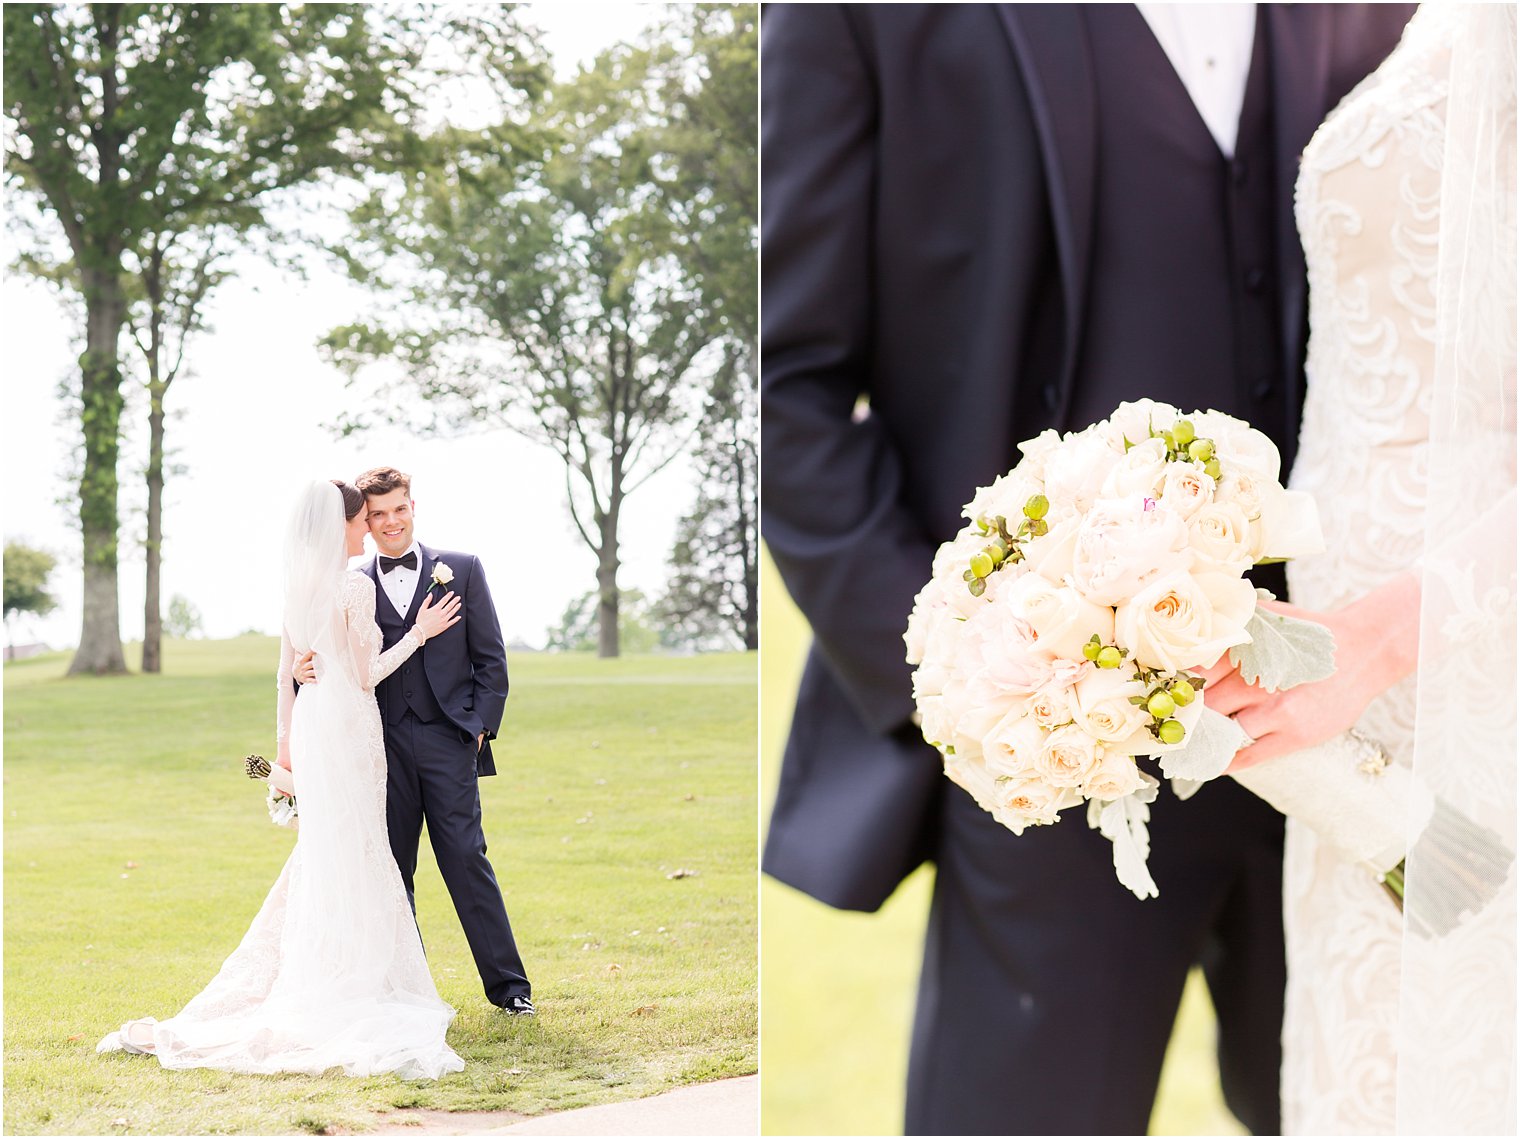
442 574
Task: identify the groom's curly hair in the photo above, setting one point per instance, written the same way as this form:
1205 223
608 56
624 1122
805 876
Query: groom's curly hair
383 480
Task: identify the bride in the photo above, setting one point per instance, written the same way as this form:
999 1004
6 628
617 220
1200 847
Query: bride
1406 207
331 973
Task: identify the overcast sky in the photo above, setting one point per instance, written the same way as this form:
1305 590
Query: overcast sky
249 433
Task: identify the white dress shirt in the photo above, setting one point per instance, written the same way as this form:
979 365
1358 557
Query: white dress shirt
1210 49
401 583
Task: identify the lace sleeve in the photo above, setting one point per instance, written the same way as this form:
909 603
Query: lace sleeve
371 666
285 694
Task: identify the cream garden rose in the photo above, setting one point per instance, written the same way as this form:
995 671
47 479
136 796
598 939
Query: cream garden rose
1183 621
1103 705
1062 619
1123 544
1068 757
1221 538
1187 488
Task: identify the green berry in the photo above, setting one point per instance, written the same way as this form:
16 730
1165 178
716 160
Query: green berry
1109 657
1182 693
981 563
1200 450
1037 507
1161 705
1092 649
1171 731
996 552
1182 431
1211 468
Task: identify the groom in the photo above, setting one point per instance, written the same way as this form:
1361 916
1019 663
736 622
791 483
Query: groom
440 710
982 221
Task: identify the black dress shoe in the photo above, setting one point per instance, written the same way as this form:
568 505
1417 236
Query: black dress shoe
519 1006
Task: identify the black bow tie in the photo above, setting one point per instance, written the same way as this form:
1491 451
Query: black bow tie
409 560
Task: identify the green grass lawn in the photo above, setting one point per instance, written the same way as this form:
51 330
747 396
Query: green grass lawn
136 853
838 988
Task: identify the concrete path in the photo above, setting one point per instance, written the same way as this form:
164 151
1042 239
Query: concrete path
724 1107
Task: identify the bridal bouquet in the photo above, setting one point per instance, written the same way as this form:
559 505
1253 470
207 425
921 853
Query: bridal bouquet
1057 638
282 789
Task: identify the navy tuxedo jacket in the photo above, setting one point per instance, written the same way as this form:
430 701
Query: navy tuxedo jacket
928 187
465 667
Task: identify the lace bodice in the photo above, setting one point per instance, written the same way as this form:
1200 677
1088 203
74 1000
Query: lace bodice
367 666
1368 209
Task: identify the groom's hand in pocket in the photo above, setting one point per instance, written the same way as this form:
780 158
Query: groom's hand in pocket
305 669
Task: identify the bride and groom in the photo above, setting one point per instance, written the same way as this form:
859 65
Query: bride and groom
392 681
984 221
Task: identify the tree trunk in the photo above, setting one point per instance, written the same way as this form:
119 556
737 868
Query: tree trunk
153 624
99 650
750 618
606 584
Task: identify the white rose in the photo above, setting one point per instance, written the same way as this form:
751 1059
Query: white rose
1186 487
1289 524
1006 497
1051 706
933 722
1103 705
1012 744
442 574
1075 472
1063 620
1068 758
1036 452
1034 801
1050 555
1125 543
1238 445
1222 539
1140 471
1134 422
1241 488
1184 620
1114 777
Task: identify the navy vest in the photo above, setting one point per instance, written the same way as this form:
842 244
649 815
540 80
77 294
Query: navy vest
1183 302
408 686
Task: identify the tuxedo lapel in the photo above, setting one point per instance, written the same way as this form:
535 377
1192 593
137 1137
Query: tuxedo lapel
425 563
1299 40
1050 44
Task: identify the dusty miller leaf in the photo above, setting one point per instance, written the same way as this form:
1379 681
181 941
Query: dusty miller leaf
1123 823
1205 753
1284 651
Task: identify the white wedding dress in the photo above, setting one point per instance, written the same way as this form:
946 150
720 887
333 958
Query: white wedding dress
1370 198
331 973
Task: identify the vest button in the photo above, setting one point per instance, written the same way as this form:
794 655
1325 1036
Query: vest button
1052 396
1254 280
1238 171
1262 389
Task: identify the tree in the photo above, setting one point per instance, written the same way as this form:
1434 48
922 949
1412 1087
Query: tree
711 599
578 626
705 156
176 274
184 619
26 572
125 120
539 301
